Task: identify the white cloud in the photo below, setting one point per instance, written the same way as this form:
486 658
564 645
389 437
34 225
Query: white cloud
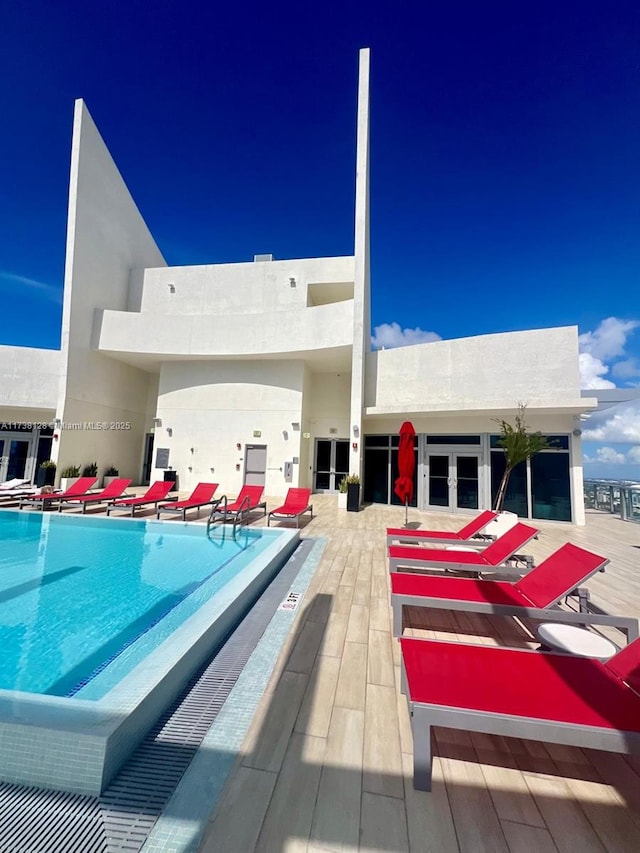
49 290
609 339
591 372
607 454
634 455
390 335
628 369
605 343
622 427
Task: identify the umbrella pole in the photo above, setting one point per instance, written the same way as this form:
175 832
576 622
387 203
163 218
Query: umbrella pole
406 512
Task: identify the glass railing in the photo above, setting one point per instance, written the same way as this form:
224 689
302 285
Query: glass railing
618 498
630 504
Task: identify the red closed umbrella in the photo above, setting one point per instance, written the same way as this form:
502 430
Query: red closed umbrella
403 486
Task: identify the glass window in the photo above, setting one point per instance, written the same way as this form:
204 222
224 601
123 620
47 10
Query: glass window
381 470
376 475
557 442
376 441
550 489
516 497
44 450
453 439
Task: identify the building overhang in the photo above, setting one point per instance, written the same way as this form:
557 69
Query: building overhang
574 408
606 398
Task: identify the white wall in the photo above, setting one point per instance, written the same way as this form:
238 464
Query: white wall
243 288
538 367
362 311
107 240
29 378
328 409
466 424
292 332
213 407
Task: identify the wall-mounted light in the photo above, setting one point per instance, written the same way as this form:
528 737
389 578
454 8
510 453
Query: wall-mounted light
57 423
356 430
169 432
238 446
172 287
295 426
292 281
157 422
285 434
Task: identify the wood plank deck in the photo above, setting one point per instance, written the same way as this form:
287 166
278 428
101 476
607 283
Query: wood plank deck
327 764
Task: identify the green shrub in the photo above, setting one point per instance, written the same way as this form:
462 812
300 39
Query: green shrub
90 470
111 471
71 471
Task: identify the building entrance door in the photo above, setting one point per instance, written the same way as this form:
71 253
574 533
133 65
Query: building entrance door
453 481
331 464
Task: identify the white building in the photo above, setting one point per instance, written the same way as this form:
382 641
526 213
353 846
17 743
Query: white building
263 372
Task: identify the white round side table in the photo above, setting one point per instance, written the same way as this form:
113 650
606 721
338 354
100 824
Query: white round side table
575 640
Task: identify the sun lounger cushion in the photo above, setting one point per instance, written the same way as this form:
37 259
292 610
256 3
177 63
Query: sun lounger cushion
522 683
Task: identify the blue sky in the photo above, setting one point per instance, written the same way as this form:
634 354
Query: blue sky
505 159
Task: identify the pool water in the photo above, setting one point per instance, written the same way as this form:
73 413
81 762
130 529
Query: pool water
83 601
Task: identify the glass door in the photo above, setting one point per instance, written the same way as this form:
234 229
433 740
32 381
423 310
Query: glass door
453 481
331 464
14 455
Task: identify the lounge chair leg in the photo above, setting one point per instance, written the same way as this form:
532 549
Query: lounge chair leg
422 757
397 618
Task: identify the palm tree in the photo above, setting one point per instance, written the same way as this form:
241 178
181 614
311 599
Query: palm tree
518 445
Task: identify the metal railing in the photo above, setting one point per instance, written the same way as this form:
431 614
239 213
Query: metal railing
621 499
239 516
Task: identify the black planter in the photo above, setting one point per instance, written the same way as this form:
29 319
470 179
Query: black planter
45 476
353 497
171 476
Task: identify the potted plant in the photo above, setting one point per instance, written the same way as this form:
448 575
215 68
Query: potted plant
110 475
68 476
342 494
353 492
46 473
90 470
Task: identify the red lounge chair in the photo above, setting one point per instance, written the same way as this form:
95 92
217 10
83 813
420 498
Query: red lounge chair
115 489
201 496
156 492
494 556
80 487
250 498
523 693
295 504
445 537
533 596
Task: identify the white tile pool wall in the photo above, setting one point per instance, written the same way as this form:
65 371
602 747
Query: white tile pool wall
78 745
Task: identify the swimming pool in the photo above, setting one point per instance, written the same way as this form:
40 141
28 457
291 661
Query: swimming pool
102 622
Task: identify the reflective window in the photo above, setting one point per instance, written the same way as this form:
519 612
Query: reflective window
453 439
550 488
